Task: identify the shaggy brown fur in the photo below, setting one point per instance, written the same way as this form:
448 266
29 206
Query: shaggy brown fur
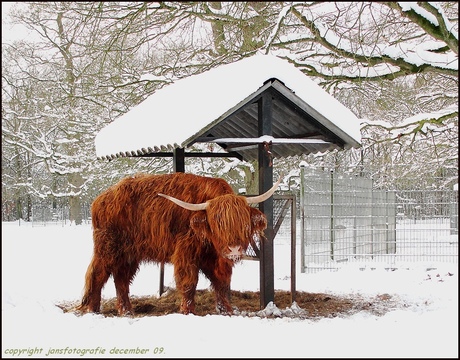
132 224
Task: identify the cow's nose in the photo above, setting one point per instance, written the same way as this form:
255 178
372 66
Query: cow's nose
235 252
235 249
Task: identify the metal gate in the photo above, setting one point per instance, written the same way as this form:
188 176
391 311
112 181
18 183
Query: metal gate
282 205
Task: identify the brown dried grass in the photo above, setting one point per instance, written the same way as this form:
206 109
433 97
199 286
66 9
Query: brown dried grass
317 305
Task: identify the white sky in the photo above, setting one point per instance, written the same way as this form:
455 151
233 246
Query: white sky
45 265
6 5
9 32
178 111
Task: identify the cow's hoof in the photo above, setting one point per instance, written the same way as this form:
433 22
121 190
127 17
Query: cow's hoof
126 313
84 309
224 310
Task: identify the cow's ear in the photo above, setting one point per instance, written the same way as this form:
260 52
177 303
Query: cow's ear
258 219
199 224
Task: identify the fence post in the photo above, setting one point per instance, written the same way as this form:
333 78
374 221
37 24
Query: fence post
331 225
293 249
302 218
355 230
387 229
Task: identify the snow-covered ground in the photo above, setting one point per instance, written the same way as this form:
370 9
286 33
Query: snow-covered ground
45 265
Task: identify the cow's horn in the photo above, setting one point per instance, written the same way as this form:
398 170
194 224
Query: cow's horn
262 197
185 205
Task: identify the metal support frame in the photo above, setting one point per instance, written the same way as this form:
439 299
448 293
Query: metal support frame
289 202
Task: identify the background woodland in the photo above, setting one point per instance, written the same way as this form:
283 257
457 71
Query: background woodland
70 68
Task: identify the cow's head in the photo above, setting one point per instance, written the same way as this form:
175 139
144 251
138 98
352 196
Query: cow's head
228 221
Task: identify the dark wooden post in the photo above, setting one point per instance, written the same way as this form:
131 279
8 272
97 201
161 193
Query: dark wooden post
178 166
267 277
179 160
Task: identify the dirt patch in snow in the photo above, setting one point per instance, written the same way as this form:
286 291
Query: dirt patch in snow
247 303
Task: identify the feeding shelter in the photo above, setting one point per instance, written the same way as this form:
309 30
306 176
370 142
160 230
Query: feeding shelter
259 108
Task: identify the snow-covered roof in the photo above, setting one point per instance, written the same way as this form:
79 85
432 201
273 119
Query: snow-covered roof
193 108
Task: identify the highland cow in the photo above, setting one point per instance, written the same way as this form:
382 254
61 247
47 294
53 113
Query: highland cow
195 223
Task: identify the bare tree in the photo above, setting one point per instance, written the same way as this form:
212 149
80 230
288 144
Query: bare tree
61 89
394 64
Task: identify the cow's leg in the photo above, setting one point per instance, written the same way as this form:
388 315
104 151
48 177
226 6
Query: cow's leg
95 279
219 272
186 276
122 277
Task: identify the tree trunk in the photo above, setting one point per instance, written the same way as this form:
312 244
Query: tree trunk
18 208
75 210
76 181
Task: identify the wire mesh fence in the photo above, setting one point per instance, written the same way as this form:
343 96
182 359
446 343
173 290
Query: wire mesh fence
344 220
44 215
